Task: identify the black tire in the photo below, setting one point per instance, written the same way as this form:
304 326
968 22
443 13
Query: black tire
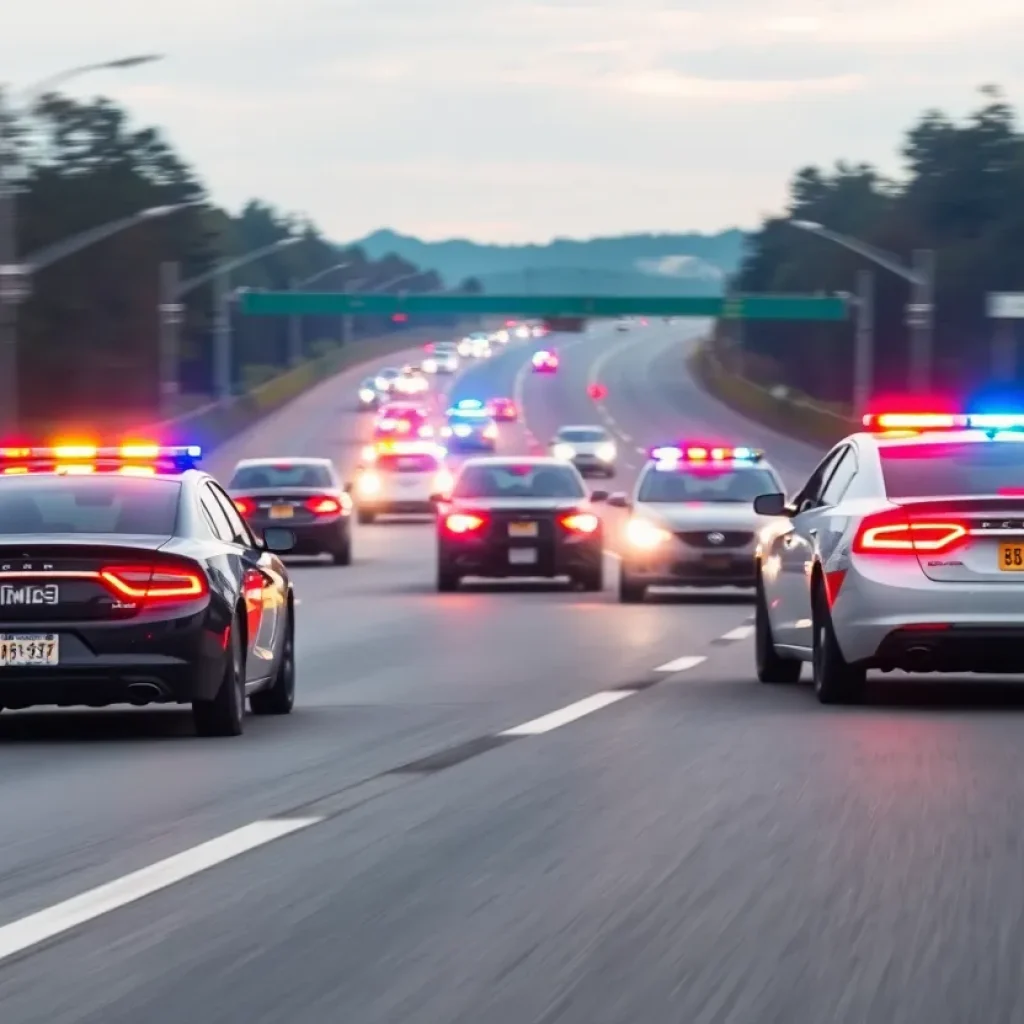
592 580
836 681
279 699
225 714
630 591
343 554
365 516
771 666
447 581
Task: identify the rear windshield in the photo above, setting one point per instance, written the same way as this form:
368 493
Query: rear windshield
389 373
475 419
922 471
406 463
732 485
583 436
518 482
95 505
253 478
445 347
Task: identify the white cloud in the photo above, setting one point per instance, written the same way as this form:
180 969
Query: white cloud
523 117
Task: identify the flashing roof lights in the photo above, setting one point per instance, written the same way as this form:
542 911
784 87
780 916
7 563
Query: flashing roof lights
80 458
704 453
938 421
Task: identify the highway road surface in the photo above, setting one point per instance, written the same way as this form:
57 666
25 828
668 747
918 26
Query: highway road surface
520 805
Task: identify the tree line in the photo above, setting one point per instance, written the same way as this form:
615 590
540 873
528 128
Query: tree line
961 195
88 334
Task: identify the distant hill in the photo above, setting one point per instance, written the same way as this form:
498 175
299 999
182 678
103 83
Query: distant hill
627 265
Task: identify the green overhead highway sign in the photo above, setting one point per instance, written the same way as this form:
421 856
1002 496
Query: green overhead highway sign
743 307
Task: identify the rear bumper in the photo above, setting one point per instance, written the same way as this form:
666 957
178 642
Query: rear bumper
470 444
397 506
492 559
175 661
312 538
902 620
591 465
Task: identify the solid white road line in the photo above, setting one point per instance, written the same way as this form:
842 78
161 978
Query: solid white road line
680 664
62 917
568 714
739 633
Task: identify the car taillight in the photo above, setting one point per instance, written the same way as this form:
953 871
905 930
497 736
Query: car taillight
246 507
894 532
461 523
155 582
323 506
490 431
581 522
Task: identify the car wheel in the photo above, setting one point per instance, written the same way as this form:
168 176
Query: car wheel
225 714
343 554
363 516
771 666
447 581
593 579
630 591
836 681
279 699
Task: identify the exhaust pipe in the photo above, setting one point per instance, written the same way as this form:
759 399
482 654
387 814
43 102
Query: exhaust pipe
144 693
920 659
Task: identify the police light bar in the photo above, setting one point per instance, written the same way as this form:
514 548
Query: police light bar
704 453
74 453
469 403
996 421
880 421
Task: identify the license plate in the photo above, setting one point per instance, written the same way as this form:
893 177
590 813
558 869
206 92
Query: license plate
27 649
522 556
281 512
719 562
522 529
1011 557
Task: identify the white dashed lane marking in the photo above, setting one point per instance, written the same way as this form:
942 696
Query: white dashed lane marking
681 664
739 633
570 713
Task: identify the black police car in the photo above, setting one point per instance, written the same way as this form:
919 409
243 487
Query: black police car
127 576
519 517
303 494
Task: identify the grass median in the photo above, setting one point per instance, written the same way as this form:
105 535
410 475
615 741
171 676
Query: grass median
779 408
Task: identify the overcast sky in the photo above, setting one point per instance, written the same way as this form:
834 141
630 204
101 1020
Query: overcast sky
520 120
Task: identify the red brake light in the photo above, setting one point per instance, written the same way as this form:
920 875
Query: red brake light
246 507
913 421
894 532
581 522
323 506
155 582
462 523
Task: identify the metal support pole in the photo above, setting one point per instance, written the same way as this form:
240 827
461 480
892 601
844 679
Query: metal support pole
9 413
222 336
922 321
864 346
170 317
1004 351
294 334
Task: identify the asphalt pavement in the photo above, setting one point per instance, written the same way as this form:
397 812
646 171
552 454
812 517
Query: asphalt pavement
519 805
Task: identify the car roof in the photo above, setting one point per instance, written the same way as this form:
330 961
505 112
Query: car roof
583 426
513 460
298 460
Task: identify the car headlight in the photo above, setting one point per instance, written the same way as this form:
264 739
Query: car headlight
369 483
382 383
606 453
564 451
644 535
366 395
430 366
490 431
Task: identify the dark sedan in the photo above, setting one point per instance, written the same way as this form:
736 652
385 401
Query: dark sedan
139 584
304 495
519 517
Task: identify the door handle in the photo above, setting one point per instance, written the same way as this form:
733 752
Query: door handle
813 533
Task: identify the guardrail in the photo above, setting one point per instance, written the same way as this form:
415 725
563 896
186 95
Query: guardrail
779 408
213 424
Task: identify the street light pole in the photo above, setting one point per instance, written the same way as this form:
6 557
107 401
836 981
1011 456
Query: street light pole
864 346
13 278
920 312
170 319
222 334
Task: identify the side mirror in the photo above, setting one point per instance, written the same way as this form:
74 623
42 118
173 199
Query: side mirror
436 498
770 504
618 500
278 540
349 487
599 496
